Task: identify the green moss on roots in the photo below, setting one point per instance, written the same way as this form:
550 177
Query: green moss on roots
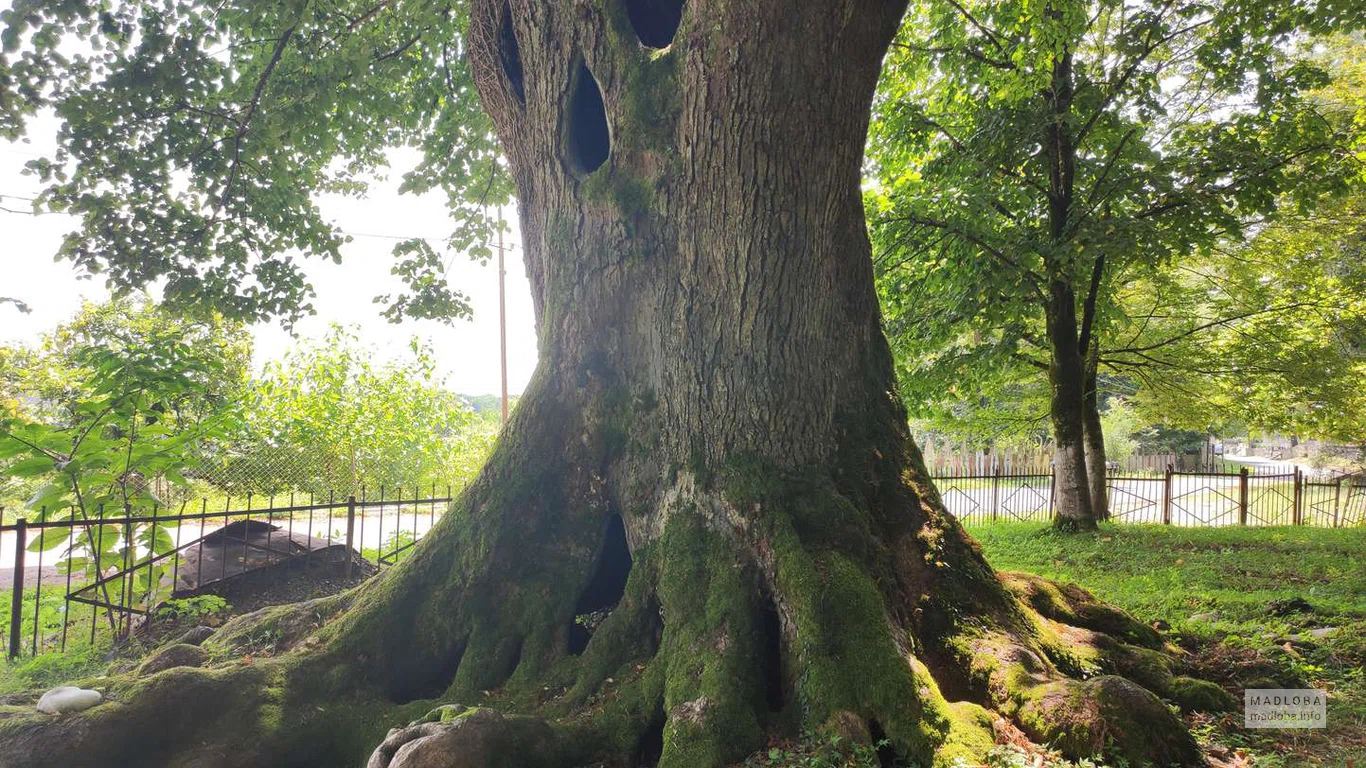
759 602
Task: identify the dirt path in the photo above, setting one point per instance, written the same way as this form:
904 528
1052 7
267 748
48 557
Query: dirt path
50 576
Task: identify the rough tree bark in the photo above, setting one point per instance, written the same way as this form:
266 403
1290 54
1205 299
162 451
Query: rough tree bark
710 467
1067 392
1094 434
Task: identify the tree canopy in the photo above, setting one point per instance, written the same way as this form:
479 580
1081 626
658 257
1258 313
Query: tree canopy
195 137
1271 333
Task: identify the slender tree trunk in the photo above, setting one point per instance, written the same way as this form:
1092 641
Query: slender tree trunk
706 523
1066 371
1067 388
1094 434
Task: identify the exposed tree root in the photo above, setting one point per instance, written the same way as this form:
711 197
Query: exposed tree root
749 613
758 602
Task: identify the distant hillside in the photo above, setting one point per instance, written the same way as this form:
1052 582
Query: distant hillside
489 403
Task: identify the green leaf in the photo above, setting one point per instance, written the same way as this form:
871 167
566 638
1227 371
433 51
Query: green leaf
35 466
11 447
51 496
49 538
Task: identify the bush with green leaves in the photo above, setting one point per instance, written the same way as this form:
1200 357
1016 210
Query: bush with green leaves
193 608
115 406
330 418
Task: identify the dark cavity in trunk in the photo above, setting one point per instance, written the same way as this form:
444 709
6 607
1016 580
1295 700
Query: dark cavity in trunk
655 21
589 140
608 584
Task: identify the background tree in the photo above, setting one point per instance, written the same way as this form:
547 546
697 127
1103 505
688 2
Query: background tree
1031 156
711 448
1263 334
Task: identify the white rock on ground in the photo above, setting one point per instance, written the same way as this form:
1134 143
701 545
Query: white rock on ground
67 698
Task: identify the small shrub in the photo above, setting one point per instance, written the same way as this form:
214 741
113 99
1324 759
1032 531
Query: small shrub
194 608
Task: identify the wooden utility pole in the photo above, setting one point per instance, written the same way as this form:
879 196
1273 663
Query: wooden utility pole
502 315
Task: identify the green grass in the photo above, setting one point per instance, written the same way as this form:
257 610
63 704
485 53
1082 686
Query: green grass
46 670
1213 587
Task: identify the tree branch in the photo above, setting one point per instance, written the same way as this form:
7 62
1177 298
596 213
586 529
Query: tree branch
1211 324
966 14
1088 313
244 122
1024 271
969 51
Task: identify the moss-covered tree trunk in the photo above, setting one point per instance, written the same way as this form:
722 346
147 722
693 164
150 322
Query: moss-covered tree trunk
706 522
1067 394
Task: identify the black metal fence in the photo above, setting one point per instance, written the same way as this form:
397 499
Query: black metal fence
949 463
123 567
1171 497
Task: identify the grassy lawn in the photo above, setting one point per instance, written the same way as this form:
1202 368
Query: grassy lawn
1214 588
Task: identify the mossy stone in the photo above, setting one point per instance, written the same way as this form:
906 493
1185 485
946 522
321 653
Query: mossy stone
172 656
1196 695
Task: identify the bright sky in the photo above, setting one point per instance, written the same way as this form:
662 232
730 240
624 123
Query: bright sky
468 350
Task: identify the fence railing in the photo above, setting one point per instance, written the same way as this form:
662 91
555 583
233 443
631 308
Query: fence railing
1171 497
952 462
124 567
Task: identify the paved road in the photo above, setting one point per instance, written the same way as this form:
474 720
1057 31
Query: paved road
50 576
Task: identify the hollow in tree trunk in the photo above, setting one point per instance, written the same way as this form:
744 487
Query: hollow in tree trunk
706 523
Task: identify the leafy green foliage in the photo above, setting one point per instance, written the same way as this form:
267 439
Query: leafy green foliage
1121 424
1271 335
340 420
396 547
126 397
195 136
193 608
815 751
81 388
1014 756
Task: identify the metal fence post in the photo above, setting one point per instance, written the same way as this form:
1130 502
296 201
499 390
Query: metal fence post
1167 496
350 532
1297 512
1337 499
1052 488
995 492
129 581
16 602
1242 496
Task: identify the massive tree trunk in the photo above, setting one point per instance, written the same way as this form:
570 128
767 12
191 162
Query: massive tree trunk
706 522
